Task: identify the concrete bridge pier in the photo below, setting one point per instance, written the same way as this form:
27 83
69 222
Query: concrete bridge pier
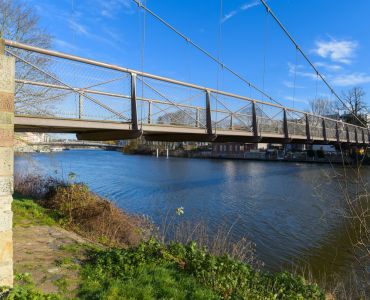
7 79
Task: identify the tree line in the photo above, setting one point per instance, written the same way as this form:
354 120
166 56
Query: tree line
352 109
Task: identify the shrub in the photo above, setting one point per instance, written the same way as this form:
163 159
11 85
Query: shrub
80 210
220 277
95 217
33 185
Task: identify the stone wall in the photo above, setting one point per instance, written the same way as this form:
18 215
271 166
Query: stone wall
7 76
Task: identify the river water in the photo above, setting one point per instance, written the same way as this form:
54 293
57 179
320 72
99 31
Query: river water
291 211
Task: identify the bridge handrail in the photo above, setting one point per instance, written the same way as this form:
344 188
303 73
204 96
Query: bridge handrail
63 55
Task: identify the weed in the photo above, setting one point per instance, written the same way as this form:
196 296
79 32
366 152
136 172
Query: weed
28 213
160 270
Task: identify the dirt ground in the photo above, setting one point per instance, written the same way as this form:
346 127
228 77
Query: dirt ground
51 255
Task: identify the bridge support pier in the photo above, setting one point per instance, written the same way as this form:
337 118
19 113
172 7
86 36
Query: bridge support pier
7 79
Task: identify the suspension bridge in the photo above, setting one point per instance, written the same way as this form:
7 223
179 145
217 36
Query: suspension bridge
57 92
53 92
60 93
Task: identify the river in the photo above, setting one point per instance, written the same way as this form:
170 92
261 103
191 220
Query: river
291 211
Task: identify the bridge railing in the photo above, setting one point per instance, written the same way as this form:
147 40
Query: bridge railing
229 113
352 134
296 123
330 129
58 85
270 119
316 127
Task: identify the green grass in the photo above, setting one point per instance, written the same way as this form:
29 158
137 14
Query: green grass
149 281
26 290
156 271
26 212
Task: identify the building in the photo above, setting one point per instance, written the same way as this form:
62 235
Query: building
237 148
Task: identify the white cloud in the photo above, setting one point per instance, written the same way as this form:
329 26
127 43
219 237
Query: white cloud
350 79
291 85
110 8
290 98
299 70
229 15
78 28
65 45
250 5
337 51
329 67
244 7
113 39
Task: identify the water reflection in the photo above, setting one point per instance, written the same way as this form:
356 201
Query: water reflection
289 210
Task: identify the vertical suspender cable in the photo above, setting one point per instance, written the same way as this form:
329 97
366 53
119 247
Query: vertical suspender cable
265 46
74 44
317 83
143 40
295 76
219 58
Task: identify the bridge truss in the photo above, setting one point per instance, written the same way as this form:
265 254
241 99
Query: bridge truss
58 92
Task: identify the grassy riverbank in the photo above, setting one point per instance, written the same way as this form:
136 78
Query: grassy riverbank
91 266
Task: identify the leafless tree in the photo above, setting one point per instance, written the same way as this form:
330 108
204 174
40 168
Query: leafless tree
183 117
20 22
322 107
354 106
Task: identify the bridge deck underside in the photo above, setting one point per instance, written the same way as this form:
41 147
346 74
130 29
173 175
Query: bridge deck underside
107 130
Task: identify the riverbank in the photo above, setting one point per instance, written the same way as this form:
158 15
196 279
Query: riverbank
291 212
57 261
312 157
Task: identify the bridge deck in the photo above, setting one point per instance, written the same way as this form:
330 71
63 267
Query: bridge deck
108 130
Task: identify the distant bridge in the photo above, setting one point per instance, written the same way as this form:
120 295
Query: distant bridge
99 101
78 144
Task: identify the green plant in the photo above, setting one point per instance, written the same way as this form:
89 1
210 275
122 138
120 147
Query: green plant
27 212
25 290
62 285
152 265
141 273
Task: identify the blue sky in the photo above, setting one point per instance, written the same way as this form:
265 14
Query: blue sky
334 33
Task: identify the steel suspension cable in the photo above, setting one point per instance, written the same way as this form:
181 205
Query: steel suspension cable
308 60
250 84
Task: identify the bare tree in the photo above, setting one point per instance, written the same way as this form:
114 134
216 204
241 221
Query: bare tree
19 22
183 117
354 106
322 107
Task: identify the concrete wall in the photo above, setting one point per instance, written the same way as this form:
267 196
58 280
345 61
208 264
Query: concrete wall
7 76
